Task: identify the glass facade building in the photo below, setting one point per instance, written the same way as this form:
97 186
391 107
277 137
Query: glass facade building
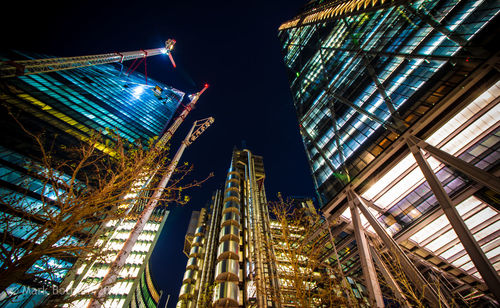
374 84
66 105
146 294
134 287
97 97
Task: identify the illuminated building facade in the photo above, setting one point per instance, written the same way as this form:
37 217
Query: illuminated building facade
227 256
134 287
145 294
398 107
304 279
69 105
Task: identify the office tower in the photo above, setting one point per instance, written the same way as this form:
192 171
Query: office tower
227 254
397 104
66 106
241 255
146 293
134 285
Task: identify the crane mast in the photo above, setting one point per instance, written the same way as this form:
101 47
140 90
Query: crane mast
38 66
112 274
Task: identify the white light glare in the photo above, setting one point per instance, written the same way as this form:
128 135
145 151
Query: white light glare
138 90
164 51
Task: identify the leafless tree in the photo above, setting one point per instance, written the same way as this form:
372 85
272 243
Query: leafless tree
305 280
81 188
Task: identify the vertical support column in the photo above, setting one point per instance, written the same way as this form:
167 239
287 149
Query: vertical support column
347 286
227 269
253 204
210 245
477 256
369 273
407 266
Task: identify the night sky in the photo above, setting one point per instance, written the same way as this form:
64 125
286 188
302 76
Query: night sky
231 45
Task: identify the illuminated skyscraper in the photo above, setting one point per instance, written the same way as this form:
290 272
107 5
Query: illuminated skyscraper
67 106
134 287
398 107
238 254
226 250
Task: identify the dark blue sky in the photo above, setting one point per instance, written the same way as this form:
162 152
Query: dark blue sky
232 45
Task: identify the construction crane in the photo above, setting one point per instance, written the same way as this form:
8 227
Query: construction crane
112 274
141 184
177 122
38 66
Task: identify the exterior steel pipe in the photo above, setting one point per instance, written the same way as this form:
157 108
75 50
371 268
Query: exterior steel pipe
199 231
184 303
230 218
227 270
232 206
195 251
253 204
233 175
230 232
192 263
197 241
187 291
190 276
231 194
228 250
226 295
233 184
206 274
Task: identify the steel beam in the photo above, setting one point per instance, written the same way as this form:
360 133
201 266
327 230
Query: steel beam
371 116
436 25
475 173
340 148
369 273
381 89
345 283
403 301
468 87
320 151
483 265
406 265
409 56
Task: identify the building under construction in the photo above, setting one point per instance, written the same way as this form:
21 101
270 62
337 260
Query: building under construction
68 102
398 107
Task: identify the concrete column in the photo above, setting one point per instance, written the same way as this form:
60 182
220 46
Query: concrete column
477 256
